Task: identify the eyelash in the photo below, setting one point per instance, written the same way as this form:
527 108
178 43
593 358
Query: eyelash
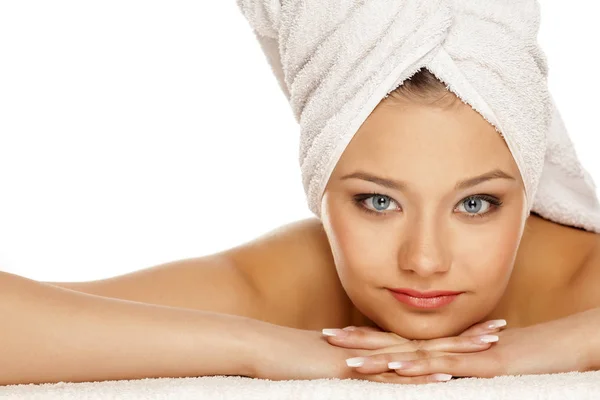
495 203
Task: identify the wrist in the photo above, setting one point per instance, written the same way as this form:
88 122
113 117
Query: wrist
230 345
257 349
586 340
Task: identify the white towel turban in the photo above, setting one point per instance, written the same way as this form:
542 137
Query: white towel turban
335 60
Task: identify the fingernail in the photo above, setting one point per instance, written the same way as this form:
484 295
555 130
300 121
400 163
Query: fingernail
396 365
497 323
355 362
349 328
441 377
488 338
334 332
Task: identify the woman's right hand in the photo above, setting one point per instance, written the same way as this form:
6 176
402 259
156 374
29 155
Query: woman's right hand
283 353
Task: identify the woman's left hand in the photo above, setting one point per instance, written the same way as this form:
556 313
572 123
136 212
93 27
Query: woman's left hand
370 338
557 346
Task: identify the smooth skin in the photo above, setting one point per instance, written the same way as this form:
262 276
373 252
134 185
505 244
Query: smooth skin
258 309
159 313
545 284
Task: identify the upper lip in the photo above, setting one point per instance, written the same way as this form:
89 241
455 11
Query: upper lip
433 293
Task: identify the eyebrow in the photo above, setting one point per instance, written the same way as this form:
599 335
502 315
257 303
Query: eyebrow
399 185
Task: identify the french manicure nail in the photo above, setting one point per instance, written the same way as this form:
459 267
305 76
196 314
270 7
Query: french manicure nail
395 365
334 332
349 328
441 377
355 362
497 323
488 338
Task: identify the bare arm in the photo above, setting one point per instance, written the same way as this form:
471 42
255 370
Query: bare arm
52 334
193 317
280 277
209 283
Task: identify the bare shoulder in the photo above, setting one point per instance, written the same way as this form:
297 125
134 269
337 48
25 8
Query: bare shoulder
568 265
557 273
293 269
285 249
585 283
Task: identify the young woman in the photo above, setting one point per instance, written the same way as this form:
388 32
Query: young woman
424 251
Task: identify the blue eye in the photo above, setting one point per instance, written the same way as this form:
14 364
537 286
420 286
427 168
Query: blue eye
473 205
379 202
375 203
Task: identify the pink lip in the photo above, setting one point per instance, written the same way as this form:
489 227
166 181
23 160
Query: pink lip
433 299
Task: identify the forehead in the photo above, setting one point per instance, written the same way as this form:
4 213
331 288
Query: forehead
419 138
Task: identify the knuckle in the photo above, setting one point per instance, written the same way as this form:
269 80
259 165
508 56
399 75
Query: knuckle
386 358
358 334
349 337
422 354
453 361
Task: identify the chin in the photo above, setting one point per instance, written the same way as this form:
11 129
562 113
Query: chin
428 325
432 332
416 329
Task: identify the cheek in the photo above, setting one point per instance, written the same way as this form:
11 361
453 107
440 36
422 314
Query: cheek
488 256
360 250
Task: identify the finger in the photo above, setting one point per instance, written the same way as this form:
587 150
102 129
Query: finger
379 363
362 338
472 365
363 328
456 344
485 327
391 377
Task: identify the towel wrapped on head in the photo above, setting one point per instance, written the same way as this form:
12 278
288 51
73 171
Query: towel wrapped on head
335 60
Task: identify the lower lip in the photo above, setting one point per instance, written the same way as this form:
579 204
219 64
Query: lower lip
425 302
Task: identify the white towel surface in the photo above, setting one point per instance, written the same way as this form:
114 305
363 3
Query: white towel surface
335 60
573 385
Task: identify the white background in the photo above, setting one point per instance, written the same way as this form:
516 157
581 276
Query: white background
134 133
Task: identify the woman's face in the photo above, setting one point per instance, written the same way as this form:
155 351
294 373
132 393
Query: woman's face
425 199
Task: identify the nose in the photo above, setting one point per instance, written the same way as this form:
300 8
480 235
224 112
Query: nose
424 249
